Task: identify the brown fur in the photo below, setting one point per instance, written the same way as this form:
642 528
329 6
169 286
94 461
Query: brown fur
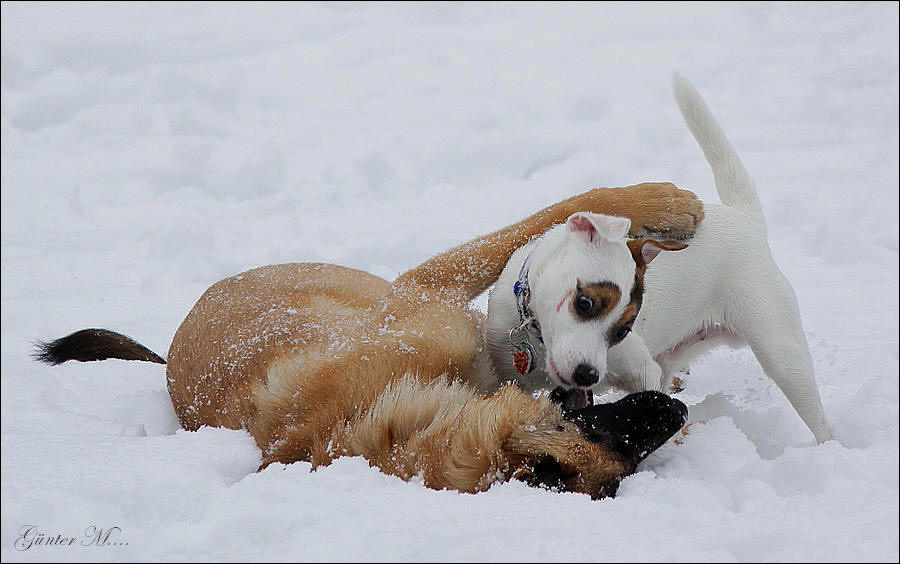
318 361
604 295
643 250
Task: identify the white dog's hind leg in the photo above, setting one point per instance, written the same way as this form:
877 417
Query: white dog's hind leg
775 334
630 367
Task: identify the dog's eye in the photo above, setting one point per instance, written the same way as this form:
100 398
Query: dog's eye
584 304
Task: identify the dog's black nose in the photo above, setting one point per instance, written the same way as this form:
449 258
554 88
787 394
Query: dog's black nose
634 426
585 375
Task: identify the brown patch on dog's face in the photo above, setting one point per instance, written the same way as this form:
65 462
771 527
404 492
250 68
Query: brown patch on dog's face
622 327
643 251
594 300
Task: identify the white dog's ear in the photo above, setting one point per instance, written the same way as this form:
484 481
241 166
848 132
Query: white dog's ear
645 250
593 225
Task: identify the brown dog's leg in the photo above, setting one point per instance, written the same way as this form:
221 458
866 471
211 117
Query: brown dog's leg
654 208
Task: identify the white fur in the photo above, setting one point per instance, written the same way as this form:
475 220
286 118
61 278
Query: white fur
588 248
566 256
725 288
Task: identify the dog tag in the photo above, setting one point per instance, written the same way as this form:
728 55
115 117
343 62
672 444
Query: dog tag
523 358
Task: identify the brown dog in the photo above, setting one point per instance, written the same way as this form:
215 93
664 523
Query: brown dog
318 361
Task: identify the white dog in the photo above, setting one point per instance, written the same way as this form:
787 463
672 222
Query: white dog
567 308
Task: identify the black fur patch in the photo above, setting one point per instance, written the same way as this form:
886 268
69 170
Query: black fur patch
548 473
634 426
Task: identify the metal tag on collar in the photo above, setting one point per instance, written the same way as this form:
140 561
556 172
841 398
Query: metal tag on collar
523 358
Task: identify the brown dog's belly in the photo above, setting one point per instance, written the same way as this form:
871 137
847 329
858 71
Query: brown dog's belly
244 324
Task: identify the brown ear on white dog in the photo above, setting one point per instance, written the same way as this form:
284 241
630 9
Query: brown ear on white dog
645 250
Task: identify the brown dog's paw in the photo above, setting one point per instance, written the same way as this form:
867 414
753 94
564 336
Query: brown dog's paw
661 210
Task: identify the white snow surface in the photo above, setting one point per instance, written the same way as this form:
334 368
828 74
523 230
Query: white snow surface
149 150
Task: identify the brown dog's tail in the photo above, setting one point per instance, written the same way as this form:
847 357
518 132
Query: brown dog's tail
93 344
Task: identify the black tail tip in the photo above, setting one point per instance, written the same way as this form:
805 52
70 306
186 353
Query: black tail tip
92 344
48 353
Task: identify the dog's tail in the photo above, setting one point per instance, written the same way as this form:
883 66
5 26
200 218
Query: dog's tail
93 344
734 185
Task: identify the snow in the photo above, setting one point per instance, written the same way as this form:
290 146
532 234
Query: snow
149 150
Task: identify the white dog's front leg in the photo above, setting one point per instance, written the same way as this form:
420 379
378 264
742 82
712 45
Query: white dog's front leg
630 367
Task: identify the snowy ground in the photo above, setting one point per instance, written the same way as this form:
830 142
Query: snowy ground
150 150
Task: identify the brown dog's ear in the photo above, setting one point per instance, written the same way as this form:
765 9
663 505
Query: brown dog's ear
645 250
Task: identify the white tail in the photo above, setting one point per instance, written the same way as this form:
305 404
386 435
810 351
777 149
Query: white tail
734 185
